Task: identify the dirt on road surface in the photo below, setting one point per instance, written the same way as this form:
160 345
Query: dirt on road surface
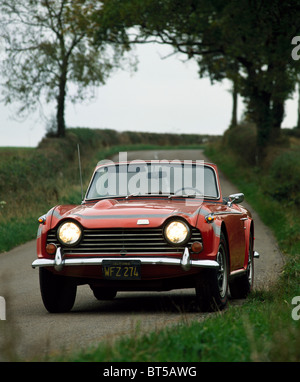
30 331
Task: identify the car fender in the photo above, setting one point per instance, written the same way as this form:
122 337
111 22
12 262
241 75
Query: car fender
44 227
249 228
211 233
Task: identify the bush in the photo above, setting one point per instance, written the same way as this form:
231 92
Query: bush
242 141
284 178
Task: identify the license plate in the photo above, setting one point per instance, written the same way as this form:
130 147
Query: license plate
121 270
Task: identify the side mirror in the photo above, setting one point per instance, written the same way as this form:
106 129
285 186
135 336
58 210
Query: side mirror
235 198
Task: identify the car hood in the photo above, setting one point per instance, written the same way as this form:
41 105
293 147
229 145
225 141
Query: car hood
111 213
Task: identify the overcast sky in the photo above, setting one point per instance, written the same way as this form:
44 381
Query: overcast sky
164 95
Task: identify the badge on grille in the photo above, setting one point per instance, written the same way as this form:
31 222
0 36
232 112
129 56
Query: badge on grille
142 221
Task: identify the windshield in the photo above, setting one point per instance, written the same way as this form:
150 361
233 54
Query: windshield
172 179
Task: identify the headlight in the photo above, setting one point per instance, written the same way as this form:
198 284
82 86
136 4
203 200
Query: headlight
177 232
69 233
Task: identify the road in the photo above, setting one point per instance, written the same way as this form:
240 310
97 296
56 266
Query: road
30 331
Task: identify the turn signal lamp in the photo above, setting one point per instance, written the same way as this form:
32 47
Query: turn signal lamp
210 218
197 247
42 219
51 249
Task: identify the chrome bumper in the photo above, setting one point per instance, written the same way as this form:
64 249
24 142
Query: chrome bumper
185 262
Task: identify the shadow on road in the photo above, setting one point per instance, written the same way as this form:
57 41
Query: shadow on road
141 303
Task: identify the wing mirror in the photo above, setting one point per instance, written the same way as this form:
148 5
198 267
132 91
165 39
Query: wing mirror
235 198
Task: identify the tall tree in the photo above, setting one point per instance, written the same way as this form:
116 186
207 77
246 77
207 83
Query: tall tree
47 47
252 35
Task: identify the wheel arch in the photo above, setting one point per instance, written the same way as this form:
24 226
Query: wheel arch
224 231
248 232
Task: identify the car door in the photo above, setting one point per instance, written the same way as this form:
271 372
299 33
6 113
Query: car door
234 218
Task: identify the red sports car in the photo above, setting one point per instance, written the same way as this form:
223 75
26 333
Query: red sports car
148 225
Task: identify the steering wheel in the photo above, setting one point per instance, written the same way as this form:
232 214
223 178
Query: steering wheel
189 188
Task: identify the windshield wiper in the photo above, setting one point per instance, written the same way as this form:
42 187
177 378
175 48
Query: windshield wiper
183 196
133 194
148 194
105 197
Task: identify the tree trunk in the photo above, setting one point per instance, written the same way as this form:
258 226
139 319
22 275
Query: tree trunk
262 117
298 121
278 115
60 115
264 120
233 122
259 107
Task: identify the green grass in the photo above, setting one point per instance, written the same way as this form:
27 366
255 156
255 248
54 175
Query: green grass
282 217
17 231
260 330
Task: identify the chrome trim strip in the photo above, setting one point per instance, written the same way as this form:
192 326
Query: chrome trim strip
186 261
144 260
228 213
58 261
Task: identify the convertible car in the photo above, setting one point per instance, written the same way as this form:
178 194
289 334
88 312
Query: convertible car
148 226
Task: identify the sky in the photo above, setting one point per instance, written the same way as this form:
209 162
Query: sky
164 95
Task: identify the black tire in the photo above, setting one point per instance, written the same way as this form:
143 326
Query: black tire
212 284
104 294
58 292
241 286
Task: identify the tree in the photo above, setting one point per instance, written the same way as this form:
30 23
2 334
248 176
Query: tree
47 47
253 36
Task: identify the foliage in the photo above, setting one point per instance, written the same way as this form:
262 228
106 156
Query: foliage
242 140
51 50
248 42
284 178
271 186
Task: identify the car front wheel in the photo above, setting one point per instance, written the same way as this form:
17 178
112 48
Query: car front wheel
212 284
58 292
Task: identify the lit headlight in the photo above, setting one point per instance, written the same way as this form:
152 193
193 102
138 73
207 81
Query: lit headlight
69 233
177 232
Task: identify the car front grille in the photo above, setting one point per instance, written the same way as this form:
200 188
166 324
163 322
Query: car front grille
123 241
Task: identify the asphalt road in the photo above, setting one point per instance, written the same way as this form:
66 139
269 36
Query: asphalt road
30 331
